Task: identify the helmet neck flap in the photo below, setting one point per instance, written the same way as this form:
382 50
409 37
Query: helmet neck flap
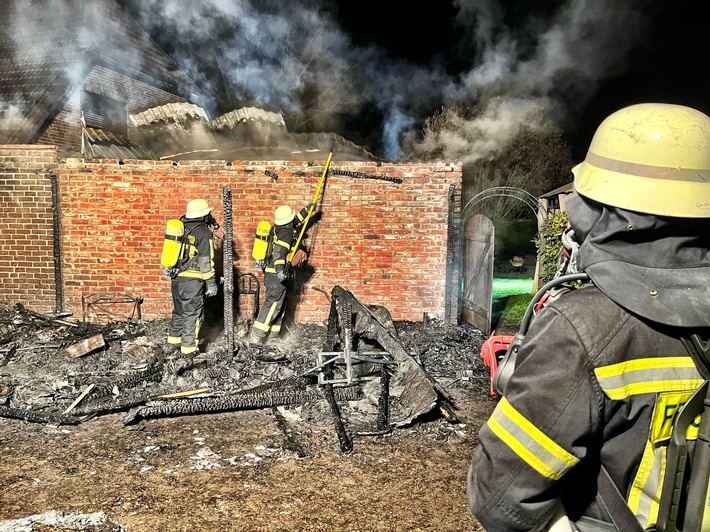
657 267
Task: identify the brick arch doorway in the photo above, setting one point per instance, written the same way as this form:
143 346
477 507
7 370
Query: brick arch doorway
477 245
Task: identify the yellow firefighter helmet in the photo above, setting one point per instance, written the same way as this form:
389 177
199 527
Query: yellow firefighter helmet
197 208
283 215
652 158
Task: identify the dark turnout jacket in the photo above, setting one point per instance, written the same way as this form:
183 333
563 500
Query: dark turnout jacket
283 238
198 251
594 385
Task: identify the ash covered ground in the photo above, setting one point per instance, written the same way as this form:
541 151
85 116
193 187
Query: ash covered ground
39 380
251 390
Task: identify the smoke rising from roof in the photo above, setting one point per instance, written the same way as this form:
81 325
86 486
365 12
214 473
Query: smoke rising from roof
294 58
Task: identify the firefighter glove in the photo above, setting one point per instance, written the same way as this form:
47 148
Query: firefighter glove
281 275
211 287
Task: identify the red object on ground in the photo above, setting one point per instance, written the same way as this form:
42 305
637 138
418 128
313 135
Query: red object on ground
492 351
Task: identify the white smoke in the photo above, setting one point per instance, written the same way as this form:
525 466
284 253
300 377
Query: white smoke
564 62
286 59
293 58
481 137
12 119
36 31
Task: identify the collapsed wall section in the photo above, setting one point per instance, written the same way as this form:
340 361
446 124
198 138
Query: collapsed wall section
27 248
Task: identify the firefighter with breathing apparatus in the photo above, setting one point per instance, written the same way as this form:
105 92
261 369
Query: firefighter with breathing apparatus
581 439
275 259
188 256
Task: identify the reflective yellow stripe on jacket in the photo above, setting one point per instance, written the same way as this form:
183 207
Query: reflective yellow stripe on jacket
196 273
648 375
530 443
673 380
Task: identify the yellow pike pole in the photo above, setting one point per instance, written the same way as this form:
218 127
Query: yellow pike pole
313 204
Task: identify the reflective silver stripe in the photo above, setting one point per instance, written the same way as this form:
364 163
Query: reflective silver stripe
198 324
527 441
651 493
261 326
644 170
648 375
270 315
645 491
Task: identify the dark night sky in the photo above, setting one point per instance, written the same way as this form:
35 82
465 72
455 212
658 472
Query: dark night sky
386 66
671 63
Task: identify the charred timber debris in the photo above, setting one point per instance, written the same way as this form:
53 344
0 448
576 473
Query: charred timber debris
363 175
360 347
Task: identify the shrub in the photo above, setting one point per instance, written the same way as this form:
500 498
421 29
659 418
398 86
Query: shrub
549 248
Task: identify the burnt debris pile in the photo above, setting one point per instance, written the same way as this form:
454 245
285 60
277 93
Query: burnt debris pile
363 371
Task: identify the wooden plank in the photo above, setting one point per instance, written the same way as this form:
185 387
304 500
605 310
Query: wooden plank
78 399
183 394
86 346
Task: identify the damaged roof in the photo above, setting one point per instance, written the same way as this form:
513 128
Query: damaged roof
180 131
101 144
47 49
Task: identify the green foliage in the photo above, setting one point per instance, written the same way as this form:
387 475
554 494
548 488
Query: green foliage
549 248
503 142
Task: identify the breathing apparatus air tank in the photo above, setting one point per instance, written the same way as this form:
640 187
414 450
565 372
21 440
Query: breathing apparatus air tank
172 244
261 242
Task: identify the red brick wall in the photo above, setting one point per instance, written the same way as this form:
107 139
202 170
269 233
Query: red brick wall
65 128
26 226
385 242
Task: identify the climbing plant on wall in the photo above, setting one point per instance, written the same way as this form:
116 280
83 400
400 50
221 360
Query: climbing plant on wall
549 243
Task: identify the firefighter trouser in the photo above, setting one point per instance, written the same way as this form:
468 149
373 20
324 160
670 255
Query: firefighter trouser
272 311
188 304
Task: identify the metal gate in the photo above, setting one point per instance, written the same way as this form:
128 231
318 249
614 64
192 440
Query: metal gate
478 272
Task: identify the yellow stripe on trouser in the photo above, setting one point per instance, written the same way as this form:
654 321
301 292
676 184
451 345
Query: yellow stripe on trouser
175 340
270 316
188 349
530 443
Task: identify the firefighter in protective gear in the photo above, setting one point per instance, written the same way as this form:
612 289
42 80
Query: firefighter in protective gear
276 273
194 277
602 370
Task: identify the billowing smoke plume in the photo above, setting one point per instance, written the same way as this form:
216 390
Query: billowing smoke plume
550 68
12 118
293 58
26 38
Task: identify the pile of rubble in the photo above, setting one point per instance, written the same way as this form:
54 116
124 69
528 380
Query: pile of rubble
366 372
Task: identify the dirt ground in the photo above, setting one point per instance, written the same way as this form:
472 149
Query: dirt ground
238 470
230 472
